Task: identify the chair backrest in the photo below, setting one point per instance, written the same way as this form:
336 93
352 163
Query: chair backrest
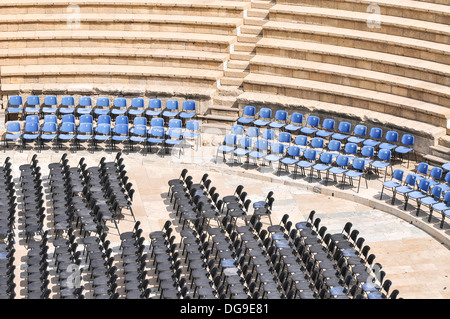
359 164
120 102
326 158
103 102
360 130
391 136
104 119
68 118
121 129
447 197
32 118
140 121
246 142
334 145
175 133
31 127
310 154
155 104
85 128
265 113
193 125
85 101
376 133
50 100
344 127
252 131
296 118
249 111
422 168
436 191
398 174
172 105
277 148
157 122
189 105
33 100
328 124
262 145
175 123
384 155
15 100
122 119
49 127
313 121
285 137
13 127
317 142
410 180
237 129
137 102
436 173
103 128
424 185
281 115
230 139
367 151
301 140
293 151
86 118
157 131
269 134
50 118
67 127
140 130
342 160
408 140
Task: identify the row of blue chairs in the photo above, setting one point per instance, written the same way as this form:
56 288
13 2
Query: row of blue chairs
427 189
330 160
328 129
103 106
102 130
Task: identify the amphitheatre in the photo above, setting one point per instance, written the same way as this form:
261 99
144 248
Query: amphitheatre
221 149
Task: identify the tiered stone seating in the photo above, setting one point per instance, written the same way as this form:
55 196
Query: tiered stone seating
169 45
324 53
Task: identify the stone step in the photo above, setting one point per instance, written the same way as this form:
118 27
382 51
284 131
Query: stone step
262 4
256 21
238 65
434 160
232 81
220 110
220 119
258 13
440 151
235 73
444 141
229 90
244 47
224 100
251 29
248 38
244 56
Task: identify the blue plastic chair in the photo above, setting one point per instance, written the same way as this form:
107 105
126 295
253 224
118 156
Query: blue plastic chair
49 132
422 170
292 157
396 181
228 146
334 147
102 134
295 122
120 134
30 133
407 147
285 138
342 163
276 153
443 207
312 125
445 185
359 134
120 106
15 106
422 190
188 110
408 186
383 162
309 156
85 133
49 106
280 119
157 122
138 135
140 121
172 109
391 140
67 132
264 117
434 198
351 150
367 154
137 107
327 128
248 115
102 107
156 137
86 118
67 105
317 143
13 132
121 119
174 138
243 149
435 175
85 105
33 105
154 108
357 171
238 129
193 132
325 161
261 150
301 141
375 136
68 118
344 131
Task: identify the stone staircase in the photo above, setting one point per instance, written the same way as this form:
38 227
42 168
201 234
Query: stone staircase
224 108
440 154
